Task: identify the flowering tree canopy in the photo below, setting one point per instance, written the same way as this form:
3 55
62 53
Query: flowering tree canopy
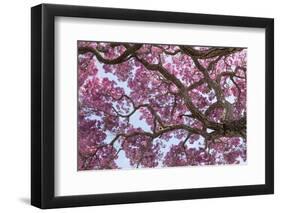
160 105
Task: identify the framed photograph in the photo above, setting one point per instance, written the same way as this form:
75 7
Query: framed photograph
140 106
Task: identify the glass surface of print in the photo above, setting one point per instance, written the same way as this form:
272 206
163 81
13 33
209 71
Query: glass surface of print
152 105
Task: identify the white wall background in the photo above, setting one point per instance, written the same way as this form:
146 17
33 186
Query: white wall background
15 105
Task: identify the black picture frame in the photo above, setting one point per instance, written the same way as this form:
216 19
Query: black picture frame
43 102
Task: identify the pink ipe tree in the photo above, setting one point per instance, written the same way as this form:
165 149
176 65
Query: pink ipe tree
152 105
